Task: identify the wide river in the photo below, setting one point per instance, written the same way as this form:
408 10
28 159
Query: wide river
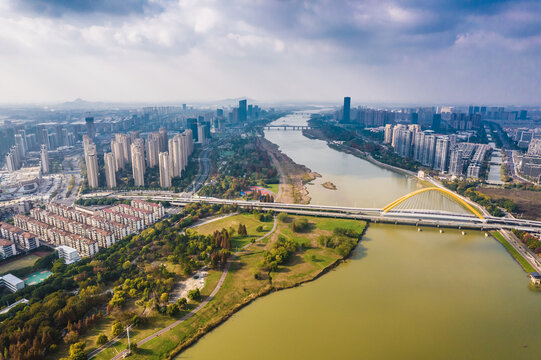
403 295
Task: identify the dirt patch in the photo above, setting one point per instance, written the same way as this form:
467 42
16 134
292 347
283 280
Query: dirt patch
528 202
197 281
293 176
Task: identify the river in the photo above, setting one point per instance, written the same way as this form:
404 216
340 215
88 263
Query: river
403 295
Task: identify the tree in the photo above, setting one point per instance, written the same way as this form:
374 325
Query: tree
172 310
71 337
77 351
194 294
126 265
282 217
242 230
164 297
101 340
117 329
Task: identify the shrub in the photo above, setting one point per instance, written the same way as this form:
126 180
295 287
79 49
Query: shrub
283 217
194 295
300 225
101 340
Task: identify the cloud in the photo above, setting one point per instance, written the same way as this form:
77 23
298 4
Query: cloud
270 49
112 7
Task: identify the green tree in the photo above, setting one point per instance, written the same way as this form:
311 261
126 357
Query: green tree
126 265
283 217
101 340
117 329
164 297
194 294
172 310
77 351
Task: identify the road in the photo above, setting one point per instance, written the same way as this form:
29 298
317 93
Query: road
201 306
204 171
522 249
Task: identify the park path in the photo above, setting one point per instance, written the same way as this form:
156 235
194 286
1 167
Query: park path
202 305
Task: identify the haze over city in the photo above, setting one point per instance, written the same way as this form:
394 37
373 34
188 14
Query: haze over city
417 52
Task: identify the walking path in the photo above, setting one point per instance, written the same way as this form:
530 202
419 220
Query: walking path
202 305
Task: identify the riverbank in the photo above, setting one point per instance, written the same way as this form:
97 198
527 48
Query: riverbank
293 176
247 280
365 156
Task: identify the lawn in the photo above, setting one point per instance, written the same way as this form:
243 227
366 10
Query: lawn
20 263
241 284
237 241
516 255
273 187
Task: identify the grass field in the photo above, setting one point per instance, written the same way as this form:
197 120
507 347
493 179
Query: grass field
241 285
20 263
273 187
516 255
237 241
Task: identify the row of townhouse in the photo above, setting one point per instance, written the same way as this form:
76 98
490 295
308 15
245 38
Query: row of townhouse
104 238
118 229
134 222
148 216
23 239
157 209
56 236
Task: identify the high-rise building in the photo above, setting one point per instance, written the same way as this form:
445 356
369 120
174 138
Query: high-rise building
456 163
138 162
165 173
191 124
402 140
91 159
388 138
20 142
346 117
243 111
436 122
414 118
163 139
90 129
125 142
441 155
153 149
110 169
44 156
118 154
201 133
11 161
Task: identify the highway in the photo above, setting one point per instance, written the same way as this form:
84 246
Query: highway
411 217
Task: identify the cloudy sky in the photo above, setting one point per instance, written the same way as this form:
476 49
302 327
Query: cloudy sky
404 51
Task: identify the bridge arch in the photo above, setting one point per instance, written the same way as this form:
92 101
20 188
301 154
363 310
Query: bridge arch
449 193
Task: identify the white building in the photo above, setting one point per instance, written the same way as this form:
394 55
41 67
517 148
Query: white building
138 162
69 254
7 248
44 155
12 282
165 173
110 169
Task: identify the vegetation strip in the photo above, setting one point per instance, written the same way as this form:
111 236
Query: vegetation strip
516 255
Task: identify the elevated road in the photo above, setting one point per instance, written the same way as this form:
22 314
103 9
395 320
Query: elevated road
410 217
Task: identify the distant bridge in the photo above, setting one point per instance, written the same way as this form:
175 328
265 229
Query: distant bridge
288 127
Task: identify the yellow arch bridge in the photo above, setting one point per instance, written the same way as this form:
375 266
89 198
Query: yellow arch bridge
443 191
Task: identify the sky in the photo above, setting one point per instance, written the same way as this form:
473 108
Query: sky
376 51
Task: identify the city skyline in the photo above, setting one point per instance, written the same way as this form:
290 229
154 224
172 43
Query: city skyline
375 52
